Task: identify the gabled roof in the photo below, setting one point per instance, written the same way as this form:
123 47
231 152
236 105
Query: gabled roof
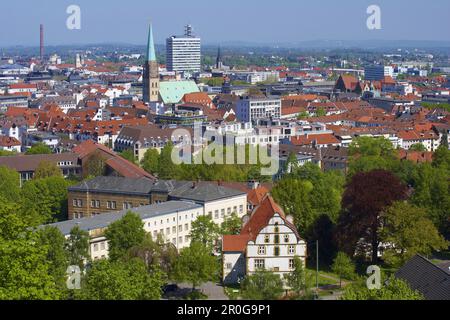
258 221
426 277
122 166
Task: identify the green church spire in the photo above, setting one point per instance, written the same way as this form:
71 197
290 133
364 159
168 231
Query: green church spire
151 55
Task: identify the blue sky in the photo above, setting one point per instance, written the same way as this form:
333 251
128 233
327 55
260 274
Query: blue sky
259 21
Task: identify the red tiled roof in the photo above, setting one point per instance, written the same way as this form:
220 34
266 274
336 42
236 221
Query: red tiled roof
255 196
23 86
6 141
261 217
122 166
321 139
234 243
416 156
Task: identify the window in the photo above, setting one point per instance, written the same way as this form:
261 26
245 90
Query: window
222 213
108 204
241 209
92 203
80 203
286 238
277 239
186 238
75 203
229 266
180 240
168 231
276 251
155 234
266 239
95 247
102 246
210 214
229 211
216 214
113 205
186 227
262 250
174 229
291 249
259 264
180 228
277 228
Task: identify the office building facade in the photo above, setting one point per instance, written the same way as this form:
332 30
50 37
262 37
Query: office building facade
184 53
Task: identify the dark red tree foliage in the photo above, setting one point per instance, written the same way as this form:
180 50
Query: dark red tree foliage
366 196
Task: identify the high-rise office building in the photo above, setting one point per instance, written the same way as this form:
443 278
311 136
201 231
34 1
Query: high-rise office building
378 72
151 71
184 52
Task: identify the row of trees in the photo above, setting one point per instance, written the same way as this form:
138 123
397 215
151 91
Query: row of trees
161 165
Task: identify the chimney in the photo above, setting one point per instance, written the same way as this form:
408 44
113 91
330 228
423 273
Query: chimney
41 51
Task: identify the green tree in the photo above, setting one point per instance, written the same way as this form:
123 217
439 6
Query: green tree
418 147
195 265
39 148
45 200
128 155
5 153
441 158
156 254
24 269
118 280
205 231
94 165
396 289
369 154
9 184
150 161
321 112
231 225
294 196
77 247
262 285
410 232
432 192
299 280
57 256
343 267
124 234
47 169
166 168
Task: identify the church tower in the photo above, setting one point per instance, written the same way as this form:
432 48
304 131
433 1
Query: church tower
151 71
219 63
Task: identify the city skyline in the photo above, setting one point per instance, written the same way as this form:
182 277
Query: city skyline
324 20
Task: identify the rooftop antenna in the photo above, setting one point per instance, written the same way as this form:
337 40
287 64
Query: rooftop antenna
188 30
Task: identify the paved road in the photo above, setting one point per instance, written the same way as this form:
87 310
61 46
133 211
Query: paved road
212 290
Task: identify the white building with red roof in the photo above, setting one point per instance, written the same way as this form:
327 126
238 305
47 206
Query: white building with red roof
268 241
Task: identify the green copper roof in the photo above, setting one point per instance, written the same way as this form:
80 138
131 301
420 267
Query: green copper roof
151 55
174 91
